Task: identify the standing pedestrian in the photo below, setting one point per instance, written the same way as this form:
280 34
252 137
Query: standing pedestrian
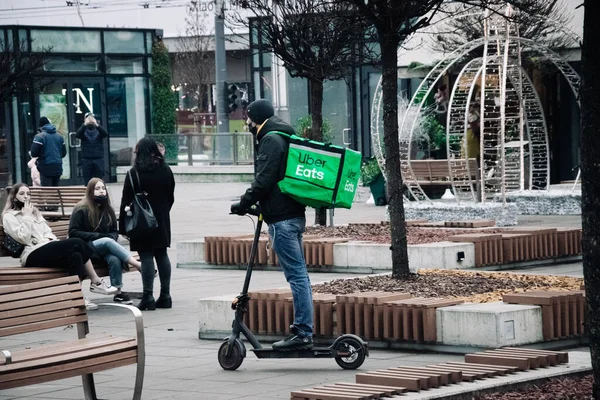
49 148
285 216
92 136
150 174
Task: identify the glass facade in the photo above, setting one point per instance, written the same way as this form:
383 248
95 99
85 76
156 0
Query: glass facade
103 71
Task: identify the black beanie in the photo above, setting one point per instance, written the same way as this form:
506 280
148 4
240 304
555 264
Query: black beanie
44 121
260 110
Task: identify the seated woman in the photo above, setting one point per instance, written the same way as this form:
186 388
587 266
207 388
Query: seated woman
25 224
94 221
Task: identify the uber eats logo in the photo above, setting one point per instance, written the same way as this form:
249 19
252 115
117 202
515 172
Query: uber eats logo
305 162
350 178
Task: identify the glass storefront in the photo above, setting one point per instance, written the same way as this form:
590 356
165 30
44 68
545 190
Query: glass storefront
103 71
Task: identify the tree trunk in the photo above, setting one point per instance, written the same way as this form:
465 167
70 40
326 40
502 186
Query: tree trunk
316 133
590 180
389 58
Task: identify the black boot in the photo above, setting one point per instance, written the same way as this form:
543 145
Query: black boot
164 301
147 303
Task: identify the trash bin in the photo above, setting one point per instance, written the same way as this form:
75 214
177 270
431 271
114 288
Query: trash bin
378 190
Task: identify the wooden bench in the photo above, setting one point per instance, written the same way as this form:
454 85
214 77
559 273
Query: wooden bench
17 274
437 172
35 307
56 202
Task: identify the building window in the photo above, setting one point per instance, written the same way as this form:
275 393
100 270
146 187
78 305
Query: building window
126 105
65 41
124 65
123 42
72 64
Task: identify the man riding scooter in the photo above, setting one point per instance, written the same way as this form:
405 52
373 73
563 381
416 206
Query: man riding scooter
284 215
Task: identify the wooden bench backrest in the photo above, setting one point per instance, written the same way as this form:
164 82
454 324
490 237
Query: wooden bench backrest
41 305
439 169
63 197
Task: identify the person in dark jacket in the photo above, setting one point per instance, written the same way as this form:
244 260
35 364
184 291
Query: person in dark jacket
152 175
92 137
285 216
94 221
49 147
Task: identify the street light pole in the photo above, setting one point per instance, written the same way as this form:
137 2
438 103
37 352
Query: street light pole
220 68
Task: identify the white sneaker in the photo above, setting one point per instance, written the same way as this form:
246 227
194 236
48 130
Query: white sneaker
103 287
89 305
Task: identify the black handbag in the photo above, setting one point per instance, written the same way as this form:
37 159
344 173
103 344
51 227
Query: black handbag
140 219
14 248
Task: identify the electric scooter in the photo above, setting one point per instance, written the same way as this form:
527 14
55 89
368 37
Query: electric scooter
348 350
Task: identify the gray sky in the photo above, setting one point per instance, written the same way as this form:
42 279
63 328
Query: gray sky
168 15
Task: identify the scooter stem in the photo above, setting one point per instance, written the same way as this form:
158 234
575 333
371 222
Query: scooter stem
253 252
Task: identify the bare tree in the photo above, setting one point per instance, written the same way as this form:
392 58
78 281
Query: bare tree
194 57
17 69
315 39
539 20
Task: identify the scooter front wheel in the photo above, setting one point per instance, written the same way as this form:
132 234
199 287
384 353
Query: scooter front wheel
356 353
234 360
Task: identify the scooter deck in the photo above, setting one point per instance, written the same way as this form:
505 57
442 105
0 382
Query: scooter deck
315 352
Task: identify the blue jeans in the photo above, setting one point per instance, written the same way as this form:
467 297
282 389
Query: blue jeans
115 255
286 237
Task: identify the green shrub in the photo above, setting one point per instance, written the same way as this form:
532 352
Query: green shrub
369 171
163 99
304 123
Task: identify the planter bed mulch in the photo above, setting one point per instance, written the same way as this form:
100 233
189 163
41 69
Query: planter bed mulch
381 233
472 286
564 388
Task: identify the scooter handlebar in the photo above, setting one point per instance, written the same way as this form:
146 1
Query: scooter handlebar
253 210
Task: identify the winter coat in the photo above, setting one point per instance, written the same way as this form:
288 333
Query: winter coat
92 140
28 230
49 147
269 168
80 227
160 186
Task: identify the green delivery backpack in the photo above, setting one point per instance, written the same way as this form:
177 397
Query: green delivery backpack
320 175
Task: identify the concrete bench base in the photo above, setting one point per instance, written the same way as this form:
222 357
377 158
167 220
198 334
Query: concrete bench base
355 257
461 328
489 324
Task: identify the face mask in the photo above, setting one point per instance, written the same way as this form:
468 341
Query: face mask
253 129
100 199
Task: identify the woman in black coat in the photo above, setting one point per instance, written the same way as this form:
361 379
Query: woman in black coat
150 174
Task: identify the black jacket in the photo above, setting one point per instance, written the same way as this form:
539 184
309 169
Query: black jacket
79 227
49 147
269 168
160 186
92 141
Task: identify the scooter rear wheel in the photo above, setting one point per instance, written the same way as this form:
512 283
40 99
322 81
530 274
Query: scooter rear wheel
232 362
357 353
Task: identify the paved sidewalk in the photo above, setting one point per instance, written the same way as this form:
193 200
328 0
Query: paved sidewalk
179 365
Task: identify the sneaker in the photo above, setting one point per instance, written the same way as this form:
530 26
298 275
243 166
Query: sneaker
294 342
103 287
122 298
89 305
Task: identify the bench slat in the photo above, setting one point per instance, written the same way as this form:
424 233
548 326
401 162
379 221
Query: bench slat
64 348
42 292
41 312
38 285
65 369
38 326
39 300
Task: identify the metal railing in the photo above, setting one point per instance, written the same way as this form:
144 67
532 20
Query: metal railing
191 149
